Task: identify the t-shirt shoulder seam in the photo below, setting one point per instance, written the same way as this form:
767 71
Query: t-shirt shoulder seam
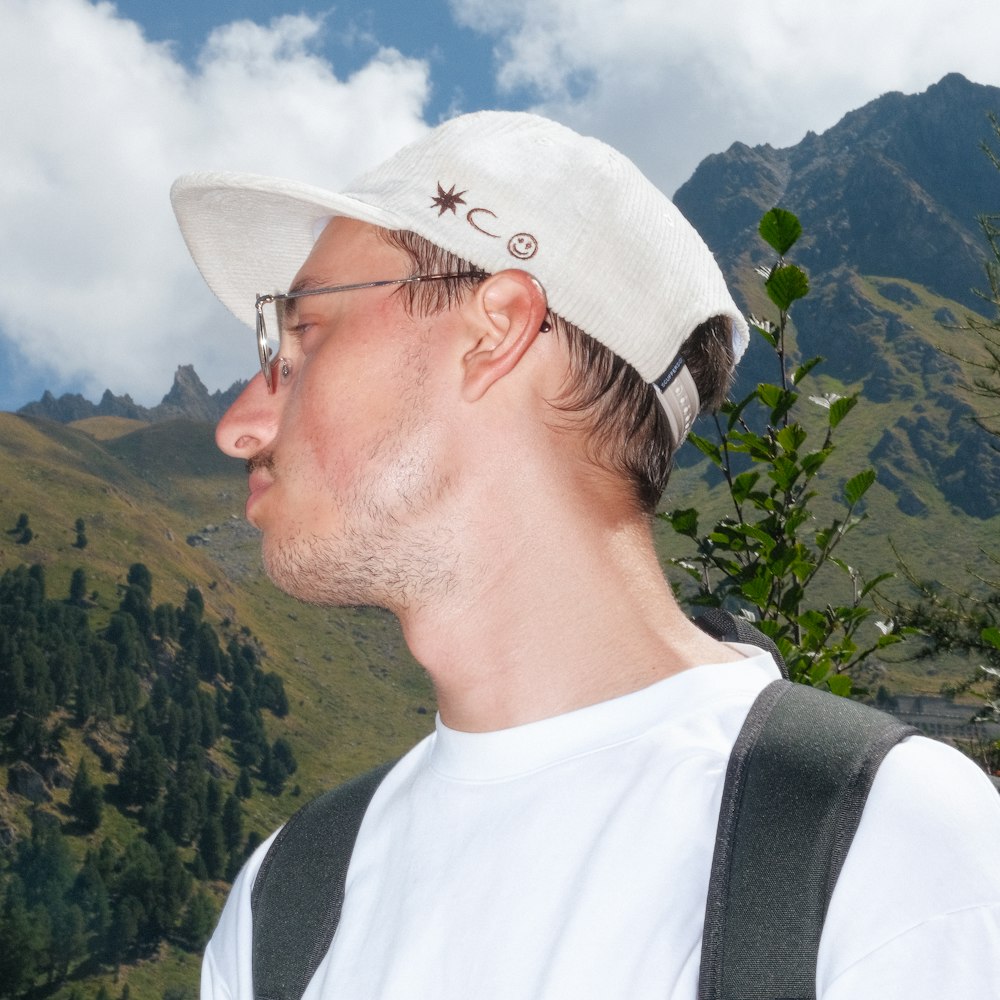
946 914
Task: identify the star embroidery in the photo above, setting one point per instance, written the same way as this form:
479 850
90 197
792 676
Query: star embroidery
446 200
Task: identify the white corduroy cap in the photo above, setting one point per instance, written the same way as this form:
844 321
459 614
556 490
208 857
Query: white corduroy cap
499 189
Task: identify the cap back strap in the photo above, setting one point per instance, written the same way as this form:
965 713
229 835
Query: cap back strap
679 398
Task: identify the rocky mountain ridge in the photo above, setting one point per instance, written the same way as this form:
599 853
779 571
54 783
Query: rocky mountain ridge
894 188
889 200
187 399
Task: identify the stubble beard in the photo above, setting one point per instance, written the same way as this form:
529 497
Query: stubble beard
375 559
358 569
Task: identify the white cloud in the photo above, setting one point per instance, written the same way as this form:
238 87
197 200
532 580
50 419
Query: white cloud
96 287
671 82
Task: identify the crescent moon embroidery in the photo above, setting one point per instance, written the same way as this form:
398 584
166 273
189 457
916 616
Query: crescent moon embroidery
469 217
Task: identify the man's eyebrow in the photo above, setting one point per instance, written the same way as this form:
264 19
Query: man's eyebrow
309 284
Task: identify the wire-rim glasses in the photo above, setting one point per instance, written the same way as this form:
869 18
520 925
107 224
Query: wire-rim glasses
264 351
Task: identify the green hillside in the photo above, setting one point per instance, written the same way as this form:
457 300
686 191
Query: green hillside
934 502
97 499
162 495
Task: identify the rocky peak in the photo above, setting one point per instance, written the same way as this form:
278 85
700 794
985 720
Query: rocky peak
895 188
187 399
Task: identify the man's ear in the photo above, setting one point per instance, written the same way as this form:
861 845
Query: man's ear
506 313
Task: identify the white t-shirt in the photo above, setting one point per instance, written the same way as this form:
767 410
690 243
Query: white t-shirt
569 858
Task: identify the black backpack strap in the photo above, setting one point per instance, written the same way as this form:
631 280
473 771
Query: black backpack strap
727 627
796 784
299 890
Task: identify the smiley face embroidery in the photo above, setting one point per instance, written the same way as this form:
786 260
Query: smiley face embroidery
523 246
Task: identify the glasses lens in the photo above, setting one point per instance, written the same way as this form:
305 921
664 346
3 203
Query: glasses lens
267 342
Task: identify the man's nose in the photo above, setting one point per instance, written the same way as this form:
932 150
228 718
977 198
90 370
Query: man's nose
250 423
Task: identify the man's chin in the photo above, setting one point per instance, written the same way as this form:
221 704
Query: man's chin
306 581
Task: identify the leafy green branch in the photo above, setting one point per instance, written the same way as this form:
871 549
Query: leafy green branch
764 558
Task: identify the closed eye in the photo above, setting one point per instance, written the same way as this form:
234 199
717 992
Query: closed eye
297 332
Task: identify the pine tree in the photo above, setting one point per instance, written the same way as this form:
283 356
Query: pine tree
139 576
232 823
198 920
212 847
143 771
123 934
244 786
18 955
86 800
78 586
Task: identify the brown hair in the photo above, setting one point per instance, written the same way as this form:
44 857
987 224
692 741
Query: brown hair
628 430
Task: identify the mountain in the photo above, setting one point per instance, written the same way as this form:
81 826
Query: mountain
187 398
889 200
895 188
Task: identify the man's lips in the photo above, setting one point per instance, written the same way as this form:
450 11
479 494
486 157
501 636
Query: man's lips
259 480
260 472
260 476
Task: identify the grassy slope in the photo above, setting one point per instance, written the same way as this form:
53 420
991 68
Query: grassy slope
356 695
354 688
355 692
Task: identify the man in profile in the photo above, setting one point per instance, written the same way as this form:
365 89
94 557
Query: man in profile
476 367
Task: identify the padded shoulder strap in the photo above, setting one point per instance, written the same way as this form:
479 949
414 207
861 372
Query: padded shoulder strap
795 788
727 627
299 890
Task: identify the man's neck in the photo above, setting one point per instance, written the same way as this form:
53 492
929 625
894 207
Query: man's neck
558 616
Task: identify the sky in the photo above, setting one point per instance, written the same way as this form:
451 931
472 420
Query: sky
102 105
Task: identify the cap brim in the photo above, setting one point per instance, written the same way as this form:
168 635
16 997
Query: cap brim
250 234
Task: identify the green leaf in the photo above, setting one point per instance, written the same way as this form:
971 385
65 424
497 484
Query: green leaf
734 411
784 472
857 486
818 672
743 484
685 522
805 368
814 620
872 584
840 408
786 284
765 540
839 684
766 329
760 449
778 400
846 567
813 462
756 590
780 229
769 394
706 447
790 438
991 635
888 640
